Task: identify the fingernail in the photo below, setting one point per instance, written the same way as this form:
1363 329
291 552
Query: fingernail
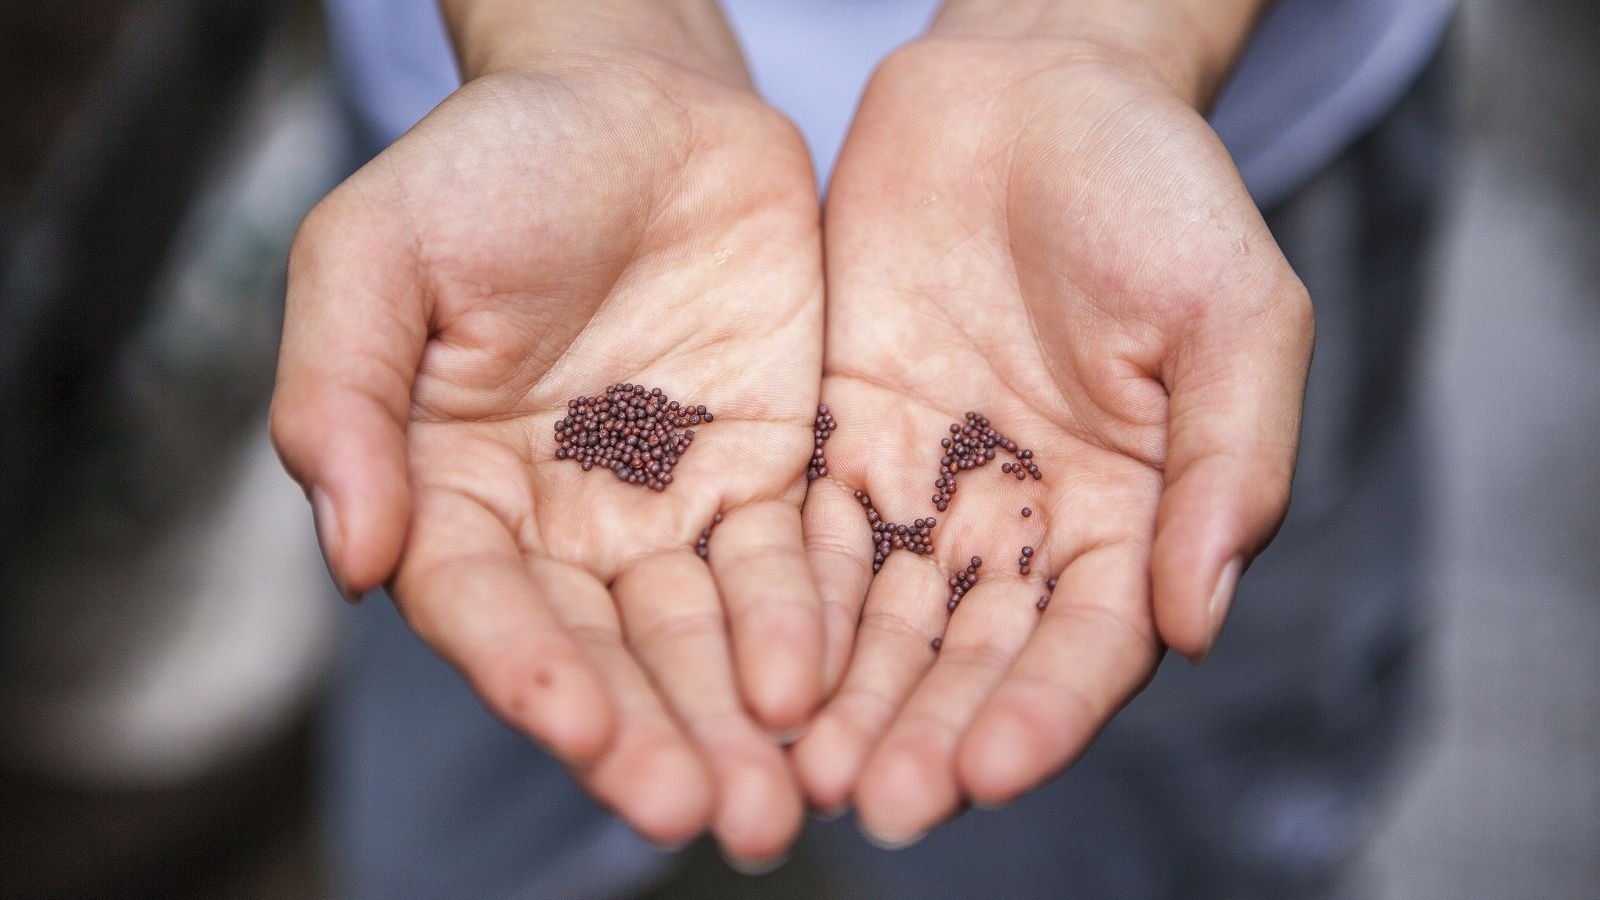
1221 601
329 539
887 841
754 867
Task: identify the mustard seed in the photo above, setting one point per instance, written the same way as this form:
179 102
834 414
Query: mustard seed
821 429
638 434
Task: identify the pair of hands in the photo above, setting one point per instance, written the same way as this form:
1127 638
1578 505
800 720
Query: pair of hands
1040 230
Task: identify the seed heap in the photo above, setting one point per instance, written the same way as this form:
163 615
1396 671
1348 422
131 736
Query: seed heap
821 430
1025 560
702 547
972 445
963 581
888 537
638 434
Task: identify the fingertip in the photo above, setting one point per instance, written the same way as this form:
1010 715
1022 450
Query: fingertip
351 458
783 690
826 763
759 815
902 794
993 762
672 801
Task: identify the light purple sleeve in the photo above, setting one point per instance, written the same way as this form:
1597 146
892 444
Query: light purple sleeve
1317 75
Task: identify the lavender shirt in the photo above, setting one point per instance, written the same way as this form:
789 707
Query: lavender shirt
1317 74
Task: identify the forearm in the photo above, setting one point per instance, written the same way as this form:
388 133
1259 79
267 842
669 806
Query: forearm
1189 44
492 35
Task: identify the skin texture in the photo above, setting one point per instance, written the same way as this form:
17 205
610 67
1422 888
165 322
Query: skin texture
544 233
1052 236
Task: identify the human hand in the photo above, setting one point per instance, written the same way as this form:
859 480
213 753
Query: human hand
566 221
1044 230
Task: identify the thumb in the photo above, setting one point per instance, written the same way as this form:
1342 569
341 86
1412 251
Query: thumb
355 325
1236 386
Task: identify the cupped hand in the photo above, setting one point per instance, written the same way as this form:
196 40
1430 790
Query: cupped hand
1058 241
542 235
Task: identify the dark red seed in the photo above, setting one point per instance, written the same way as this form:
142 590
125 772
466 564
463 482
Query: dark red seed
1026 512
937 643
624 430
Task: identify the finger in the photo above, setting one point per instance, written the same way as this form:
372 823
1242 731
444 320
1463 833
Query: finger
650 774
1236 394
774 613
909 784
905 610
353 332
673 620
839 550
463 588
1093 649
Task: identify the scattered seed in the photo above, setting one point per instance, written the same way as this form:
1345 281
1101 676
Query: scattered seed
1026 512
1043 602
1051 584
937 643
974 444
821 430
888 537
962 582
702 547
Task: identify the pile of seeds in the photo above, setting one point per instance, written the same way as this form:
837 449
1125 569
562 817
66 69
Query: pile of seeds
972 445
821 430
702 547
638 434
1025 560
888 537
963 581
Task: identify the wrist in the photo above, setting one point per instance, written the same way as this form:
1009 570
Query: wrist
1186 46
542 35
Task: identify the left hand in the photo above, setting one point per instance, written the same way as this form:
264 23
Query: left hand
1051 235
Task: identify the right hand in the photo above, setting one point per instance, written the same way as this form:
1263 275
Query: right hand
544 233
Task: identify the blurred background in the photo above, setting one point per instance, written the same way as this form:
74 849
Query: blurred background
165 622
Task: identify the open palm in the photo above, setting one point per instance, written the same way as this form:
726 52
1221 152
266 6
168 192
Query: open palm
1066 249
540 237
